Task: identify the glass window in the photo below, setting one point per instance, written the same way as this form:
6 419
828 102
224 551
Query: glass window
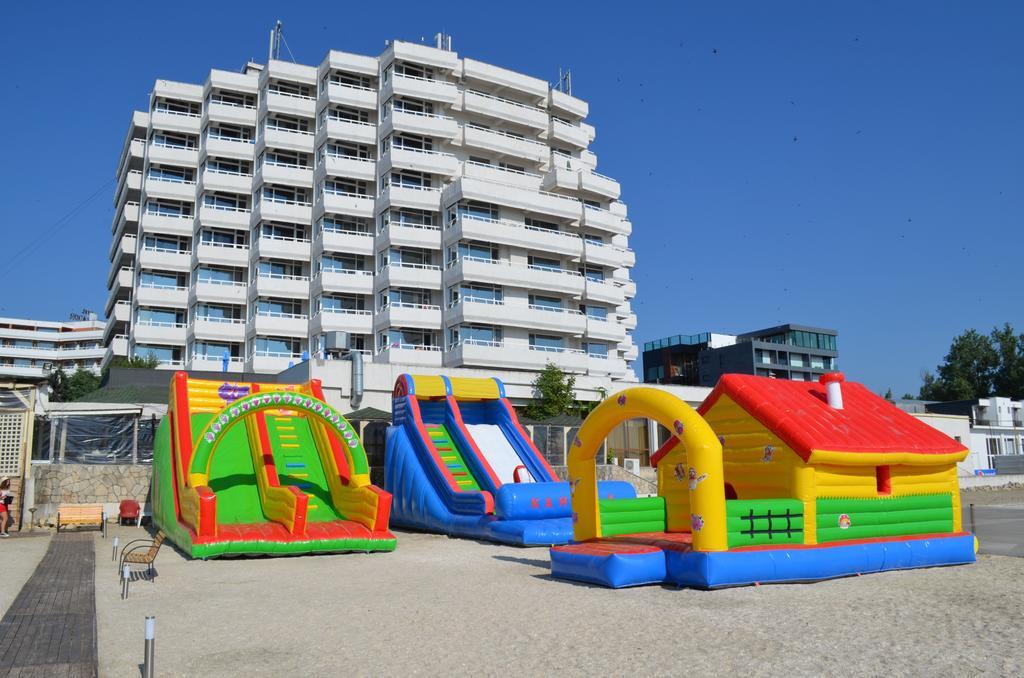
154 316
485 293
547 342
552 303
596 350
483 334
545 263
158 279
161 353
596 312
478 251
272 346
216 275
478 210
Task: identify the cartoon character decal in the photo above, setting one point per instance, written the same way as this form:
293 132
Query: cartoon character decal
576 442
573 482
721 440
769 454
844 521
680 472
694 478
678 426
229 392
621 400
696 522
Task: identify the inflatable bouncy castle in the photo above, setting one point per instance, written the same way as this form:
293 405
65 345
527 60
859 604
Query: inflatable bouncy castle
771 481
246 468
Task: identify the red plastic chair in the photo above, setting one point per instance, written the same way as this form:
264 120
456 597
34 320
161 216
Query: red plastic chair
129 511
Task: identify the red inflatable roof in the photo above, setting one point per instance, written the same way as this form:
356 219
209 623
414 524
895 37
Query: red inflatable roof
798 412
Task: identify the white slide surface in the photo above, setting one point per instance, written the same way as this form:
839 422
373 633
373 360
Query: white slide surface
499 452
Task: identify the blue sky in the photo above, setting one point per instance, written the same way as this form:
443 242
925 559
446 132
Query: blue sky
850 165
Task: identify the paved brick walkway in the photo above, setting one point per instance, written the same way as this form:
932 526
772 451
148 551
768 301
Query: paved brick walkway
50 629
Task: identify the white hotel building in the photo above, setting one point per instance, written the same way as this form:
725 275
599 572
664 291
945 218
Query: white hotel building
32 349
444 212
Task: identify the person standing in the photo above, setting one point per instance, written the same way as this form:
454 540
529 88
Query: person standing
6 499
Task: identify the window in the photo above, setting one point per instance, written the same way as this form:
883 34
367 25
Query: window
290 88
215 312
408 256
540 223
596 350
545 264
277 346
278 269
341 303
405 297
171 173
477 250
337 223
282 231
165 354
347 114
227 98
157 316
410 141
169 208
163 243
212 351
413 106
593 273
212 274
286 194
345 187
349 79
224 132
414 70
227 166
480 334
546 342
277 308
287 123
595 312
401 338
478 293
173 140
225 201
407 217
224 238
341 263
478 210
408 179
159 279
546 303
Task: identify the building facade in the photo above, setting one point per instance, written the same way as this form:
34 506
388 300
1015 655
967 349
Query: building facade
795 352
996 429
441 211
32 349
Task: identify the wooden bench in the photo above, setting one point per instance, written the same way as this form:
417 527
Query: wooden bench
81 514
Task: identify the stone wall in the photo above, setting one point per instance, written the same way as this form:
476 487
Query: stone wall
88 484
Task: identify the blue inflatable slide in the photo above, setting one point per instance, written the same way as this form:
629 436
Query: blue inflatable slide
459 463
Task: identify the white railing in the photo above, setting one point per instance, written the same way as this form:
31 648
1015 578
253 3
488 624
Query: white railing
177 147
342 311
289 165
349 85
476 300
185 114
602 176
420 151
281 276
164 250
510 170
575 201
217 358
283 238
346 194
345 271
286 201
514 137
339 118
219 319
405 304
274 354
423 114
517 104
554 309
507 343
292 95
213 170
226 208
158 323
407 224
278 128
168 214
217 243
170 180
233 104
335 155
163 286
508 264
226 283
345 231
217 136
411 187
570 125
408 347
420 267
281 314
422 79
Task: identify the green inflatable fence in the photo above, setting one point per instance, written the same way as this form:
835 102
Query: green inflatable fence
629 516
844 519
752 522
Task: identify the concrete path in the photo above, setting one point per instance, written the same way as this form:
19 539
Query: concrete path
50 629
1000 529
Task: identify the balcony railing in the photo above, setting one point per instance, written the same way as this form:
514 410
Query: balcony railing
164 250
279 128
219 319
507 135
408 347
184 114
158 323
226 283
344 271
405 304
230 245
216 136
280 276
421 267
226 208
517 104
281 314
343 311
234 104
510 170
292 95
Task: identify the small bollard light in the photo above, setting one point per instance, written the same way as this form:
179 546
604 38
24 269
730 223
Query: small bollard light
113 555
147 661
125 576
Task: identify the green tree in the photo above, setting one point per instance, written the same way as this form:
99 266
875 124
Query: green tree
967 372
148 361
554 393
58 382
81 383
888 394
1008 379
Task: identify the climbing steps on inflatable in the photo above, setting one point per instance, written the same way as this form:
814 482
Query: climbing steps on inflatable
298 463
451 457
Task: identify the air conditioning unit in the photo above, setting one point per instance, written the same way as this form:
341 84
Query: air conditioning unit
631 465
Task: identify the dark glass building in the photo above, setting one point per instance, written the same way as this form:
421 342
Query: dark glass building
796 352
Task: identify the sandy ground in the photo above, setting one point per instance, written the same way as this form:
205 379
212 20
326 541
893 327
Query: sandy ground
1000 497
19 555
443 606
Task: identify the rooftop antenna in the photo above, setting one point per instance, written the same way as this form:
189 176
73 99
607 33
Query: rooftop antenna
565 81
443 41
275 41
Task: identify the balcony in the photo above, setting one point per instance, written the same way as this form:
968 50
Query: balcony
345 166
566 103
119 344
572 135
132 181
349 242
122 248
432 162
606 330
286 139
123 312
631 353
352 95
272 363
285 174
212 364
167 260
273 209
214 180
279 324
606 365
399 235
229 113
273 247
224 217
605 292
420 88
218 292
167 223
339 202
343 281
423 124
409 275
606 220
394 195
541 202
351 321
397 314
217 329
148 294
173 121
504 232
174 190
277 285
223 254
530 181
513 355
228 147
542 318
609 255
151 332
409 354
167 154
289 104
599 184
129 213
504 78
347 130
503 143
504 109
496 272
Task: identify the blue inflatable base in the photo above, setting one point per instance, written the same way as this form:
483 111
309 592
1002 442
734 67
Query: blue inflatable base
760 566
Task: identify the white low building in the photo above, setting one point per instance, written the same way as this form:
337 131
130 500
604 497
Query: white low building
33 349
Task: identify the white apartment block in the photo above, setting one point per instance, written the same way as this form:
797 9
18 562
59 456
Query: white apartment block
32 349
442 211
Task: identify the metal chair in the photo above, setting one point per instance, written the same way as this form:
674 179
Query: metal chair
141 552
